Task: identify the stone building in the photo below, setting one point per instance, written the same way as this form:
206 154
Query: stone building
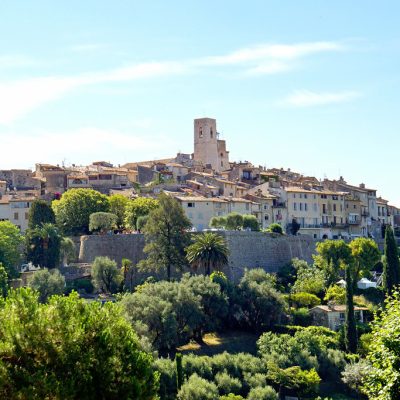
208 148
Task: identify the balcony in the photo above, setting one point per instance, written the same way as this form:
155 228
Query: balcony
354 222
279 204
365 214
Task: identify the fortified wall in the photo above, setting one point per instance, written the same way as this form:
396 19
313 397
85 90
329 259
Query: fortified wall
246 250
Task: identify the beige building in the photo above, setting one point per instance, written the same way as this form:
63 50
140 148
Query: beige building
16 210
200 209
333 316
208 148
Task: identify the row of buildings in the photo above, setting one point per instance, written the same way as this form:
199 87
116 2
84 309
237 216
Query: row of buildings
207 184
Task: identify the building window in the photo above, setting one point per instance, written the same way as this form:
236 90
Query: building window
191 205
305 206
16 216
334 197
301 195
247 206
301 206
211 133
26 215
334 207
324 196
294 195
305 195
295 206
266 217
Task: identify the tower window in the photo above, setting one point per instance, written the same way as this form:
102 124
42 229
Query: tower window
201 133
211 133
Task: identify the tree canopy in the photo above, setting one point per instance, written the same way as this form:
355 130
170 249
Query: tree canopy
118 204
72 350
47 283
106 276
43 245
102 222
166 235
40 213
75 207
391 265
10 247
137 208
208 251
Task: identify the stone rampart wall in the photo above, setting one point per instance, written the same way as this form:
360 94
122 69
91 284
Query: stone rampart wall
247 250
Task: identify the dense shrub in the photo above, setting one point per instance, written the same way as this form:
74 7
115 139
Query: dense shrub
262 393
303 299
196 388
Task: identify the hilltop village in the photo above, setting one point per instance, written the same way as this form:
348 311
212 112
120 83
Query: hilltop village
207 184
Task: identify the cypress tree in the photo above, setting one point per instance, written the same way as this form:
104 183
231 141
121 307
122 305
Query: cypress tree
391 265
40 213
179 371
350 331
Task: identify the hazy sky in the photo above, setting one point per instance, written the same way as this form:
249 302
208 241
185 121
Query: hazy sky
309 85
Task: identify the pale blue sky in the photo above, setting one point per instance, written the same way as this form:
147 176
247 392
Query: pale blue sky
310 85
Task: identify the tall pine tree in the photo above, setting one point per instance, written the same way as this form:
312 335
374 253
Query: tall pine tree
350 330
391 265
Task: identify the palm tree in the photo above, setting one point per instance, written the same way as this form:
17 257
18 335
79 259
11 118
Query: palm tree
208 250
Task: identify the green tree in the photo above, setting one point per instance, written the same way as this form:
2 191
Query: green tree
179 370
382 382
336 293
330 256
208 251
391 265
118 204
275 228
262 393
166 237
141 222
102 222
43 245
234 221
40 213
128 271
294 227
47 283
218 222
10 247
365 255
138 207
309 278
67 251
350 329
106 277
75 207
196 388
3 281
250 222
261 305
72 350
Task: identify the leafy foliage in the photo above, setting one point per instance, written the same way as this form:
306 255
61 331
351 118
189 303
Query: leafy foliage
138 207
102 222
303 299
75 207
118 204
250 222
106 276
3 281
391 266
71 350
275 228
196 388
382 382
309 278
43 245
261 305
166 237
40 213
10 244
207 251
47 283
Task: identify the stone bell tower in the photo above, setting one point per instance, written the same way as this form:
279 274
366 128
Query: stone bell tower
208 148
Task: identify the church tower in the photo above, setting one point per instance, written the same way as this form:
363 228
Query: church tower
208 149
